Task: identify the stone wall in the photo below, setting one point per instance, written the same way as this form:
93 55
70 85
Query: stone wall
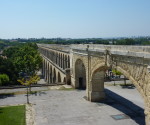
132 61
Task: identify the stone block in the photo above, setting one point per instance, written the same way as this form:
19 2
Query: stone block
96 96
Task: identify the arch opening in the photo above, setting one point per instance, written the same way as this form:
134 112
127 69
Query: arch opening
68 62
59 77
43 69
80 75
54 76
51 80
64 81
48 73
135 101
96 92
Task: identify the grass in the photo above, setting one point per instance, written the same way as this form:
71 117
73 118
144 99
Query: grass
12 115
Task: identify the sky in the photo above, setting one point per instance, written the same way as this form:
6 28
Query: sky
74 18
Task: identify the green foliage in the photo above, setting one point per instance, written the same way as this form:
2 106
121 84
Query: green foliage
116 72
2 45
12 115
114 41
125 42
146 43
11 52
4 79
28 59
6 43
7 67
24 58
29 81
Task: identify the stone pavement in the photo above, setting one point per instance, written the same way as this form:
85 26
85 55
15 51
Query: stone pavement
62 107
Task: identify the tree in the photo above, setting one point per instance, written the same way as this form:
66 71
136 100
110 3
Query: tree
27 82
28 59
23 58
4 78
10 52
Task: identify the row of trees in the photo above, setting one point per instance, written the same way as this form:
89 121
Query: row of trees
7 43
114 41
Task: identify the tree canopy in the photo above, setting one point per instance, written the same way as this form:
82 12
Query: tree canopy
20 60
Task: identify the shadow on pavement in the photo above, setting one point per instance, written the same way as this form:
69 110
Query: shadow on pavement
39 93
127 107
128 86
5 95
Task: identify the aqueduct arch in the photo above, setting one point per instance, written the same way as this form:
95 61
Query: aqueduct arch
138 74
80 74
96 90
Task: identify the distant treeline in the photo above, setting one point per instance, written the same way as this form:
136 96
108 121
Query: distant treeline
7 43
116 41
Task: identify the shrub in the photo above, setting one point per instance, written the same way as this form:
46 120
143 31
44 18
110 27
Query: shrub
4 79
116 72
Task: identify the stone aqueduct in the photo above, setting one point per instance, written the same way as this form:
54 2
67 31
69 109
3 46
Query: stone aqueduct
85 66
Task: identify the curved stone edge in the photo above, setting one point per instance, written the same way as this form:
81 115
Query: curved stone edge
147 117
30 113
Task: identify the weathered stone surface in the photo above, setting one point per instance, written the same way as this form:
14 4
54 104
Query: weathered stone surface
86 63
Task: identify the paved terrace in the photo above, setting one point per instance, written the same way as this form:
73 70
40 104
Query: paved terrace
62 107
132 61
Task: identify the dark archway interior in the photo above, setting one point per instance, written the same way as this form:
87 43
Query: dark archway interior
54 76
59 78
64 80
80 75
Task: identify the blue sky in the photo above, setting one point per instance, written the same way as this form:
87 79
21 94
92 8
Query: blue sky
74 18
